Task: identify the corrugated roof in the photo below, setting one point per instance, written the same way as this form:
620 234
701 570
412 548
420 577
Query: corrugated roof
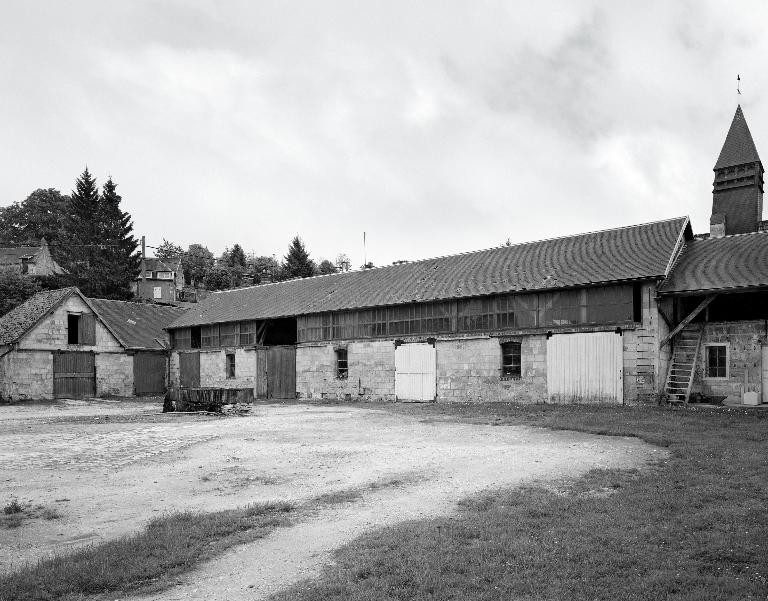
627 253
739 261
738 148
15 323
136 325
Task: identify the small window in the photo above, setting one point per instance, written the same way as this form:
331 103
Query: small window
342 366
164 275
230 365
73 328
157 292
511 365
717 361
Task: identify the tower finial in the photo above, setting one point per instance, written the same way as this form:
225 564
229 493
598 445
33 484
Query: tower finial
738 85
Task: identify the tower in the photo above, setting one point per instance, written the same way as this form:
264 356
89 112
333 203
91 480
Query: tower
737 194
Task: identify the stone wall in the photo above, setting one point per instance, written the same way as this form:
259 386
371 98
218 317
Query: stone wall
114 374
26 375
470 370
745 340
371 371
213 371
643 373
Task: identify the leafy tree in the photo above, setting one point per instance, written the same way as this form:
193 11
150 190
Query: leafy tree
326 267
237 257
342 262
197 262
218 278
168 250
264 269
43 214
15 288
297 262
120 259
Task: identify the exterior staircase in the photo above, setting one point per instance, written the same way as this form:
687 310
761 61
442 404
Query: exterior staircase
687 345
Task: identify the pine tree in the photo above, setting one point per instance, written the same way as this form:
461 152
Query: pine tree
118 262
297 262
84 231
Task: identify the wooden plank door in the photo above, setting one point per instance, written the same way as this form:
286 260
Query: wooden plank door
585 367
415 372
74 374
149 373
189 370
261 373
281 372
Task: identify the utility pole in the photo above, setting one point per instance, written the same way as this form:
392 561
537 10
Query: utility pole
143 265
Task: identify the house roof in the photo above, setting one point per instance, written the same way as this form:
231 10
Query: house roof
136 325
621 254
720 264
155 264
738 148
15 323
13 256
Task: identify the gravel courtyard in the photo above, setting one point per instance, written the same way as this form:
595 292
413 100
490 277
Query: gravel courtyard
107 467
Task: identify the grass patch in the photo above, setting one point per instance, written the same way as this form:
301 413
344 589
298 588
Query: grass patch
13 506
146 561
350 495
692 527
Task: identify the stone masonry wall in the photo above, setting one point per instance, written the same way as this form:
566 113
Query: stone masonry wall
114 374
745 340
470 370
213 369
26 375
371 371
643 378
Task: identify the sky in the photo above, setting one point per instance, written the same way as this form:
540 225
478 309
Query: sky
436 127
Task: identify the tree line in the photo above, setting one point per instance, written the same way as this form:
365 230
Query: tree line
235 268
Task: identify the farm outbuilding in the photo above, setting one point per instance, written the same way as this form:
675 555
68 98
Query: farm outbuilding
61 344
615 316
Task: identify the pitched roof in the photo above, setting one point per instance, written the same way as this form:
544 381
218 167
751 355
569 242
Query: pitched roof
12 256
738 148
15 323
136 325
628 253
155 264
727 263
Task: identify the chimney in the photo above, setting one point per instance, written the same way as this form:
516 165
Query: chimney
717 225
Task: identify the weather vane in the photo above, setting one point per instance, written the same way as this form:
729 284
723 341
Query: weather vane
738 84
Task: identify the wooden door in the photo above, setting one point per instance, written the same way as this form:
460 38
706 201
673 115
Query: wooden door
189 370
261 373
74 374
415 372
149 373
764 379
281 372
585 367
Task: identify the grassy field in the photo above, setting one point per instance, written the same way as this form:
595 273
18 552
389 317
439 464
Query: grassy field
146 561
692 527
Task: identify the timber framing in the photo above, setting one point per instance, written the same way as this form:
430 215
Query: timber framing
688 319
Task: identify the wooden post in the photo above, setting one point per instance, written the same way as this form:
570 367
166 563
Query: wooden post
143 265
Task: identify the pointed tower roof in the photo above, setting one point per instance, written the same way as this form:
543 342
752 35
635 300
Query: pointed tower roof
739 148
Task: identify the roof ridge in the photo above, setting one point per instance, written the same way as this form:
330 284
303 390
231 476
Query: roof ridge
461 254
729 236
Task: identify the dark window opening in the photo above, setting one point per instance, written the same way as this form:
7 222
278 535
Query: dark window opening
511 360
637 303
342 366
230 365
73 329
717 361
195 337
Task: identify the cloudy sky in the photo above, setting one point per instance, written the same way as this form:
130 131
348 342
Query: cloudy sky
437 127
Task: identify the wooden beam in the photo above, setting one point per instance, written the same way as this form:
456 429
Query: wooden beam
664 315
689 318
261 333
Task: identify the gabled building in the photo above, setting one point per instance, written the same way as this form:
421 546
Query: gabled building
62 344
162 281
30 260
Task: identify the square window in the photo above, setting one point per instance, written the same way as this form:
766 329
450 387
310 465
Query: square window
342 366
511 364
717 361
230 365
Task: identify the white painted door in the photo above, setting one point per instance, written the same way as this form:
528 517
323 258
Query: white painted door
585 367
764 379
415 372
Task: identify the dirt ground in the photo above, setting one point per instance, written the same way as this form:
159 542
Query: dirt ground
108 467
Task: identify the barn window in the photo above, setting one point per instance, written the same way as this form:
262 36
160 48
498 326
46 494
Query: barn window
247 333
230 365
229 334
511 364
342 366
157 292
73 328
717 361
